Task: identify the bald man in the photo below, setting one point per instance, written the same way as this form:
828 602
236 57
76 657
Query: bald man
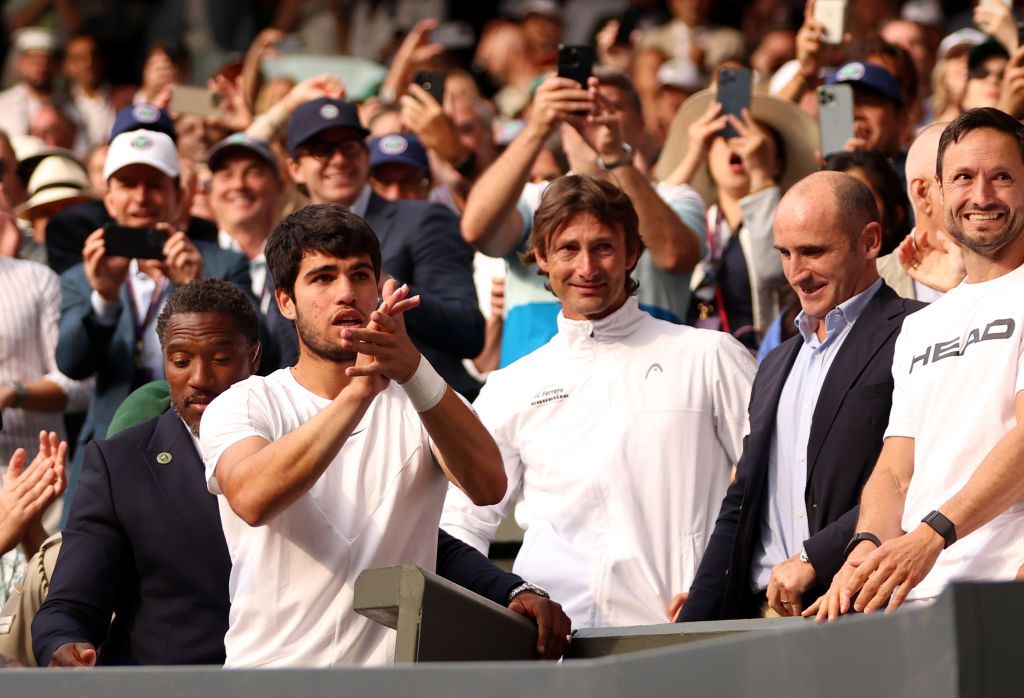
931 262
817 413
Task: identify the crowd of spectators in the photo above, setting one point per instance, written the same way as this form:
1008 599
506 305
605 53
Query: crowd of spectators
185 185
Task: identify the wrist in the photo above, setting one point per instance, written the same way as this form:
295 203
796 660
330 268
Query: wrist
425 387
943 529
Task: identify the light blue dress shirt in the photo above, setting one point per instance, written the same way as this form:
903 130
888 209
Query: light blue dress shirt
784 525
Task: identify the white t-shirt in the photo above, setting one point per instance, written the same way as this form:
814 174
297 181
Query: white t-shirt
377 504
957 371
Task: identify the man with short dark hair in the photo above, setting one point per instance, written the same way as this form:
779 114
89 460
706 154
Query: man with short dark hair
419 240
326 468
816 412
951 472
619 435
138 540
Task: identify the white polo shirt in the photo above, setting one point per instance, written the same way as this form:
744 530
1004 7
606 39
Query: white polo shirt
618 438
957 370
377 504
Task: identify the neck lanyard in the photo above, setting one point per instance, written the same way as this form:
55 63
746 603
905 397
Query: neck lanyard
715 255
140 324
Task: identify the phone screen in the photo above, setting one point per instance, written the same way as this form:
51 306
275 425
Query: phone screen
134 243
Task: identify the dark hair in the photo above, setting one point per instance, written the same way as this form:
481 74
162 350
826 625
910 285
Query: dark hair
575 195
973 119
325 228
211 296
618 79
855 205
879 171
897 57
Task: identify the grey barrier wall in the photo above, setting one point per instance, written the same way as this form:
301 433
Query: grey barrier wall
966 644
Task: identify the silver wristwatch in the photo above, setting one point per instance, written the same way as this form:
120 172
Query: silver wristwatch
625 159
524 587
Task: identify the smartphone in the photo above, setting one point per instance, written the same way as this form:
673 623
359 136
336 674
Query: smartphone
187 99
835 117
576 62
432 82
832 15
627 24
734 94
134 243
1008 3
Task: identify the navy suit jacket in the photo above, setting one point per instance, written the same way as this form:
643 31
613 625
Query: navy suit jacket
845 439
86 347
421 245
144 542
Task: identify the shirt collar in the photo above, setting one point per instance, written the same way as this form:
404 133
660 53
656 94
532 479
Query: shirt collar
843 315
619 325
362 201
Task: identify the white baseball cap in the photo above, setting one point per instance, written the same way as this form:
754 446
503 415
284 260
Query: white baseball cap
142 147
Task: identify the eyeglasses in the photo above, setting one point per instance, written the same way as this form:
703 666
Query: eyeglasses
324 150
981 72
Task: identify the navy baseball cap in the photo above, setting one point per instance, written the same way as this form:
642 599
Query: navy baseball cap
317 116
403 148
985 50
143 116
240 142
870 77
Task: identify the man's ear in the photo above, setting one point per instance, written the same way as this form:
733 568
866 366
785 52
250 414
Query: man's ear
871 238
285 303
542 261
919 199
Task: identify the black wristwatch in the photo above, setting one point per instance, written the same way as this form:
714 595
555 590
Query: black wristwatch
524 587
941 525
857 538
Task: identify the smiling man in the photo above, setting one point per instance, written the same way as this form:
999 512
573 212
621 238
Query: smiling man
618 435
945 500
817 412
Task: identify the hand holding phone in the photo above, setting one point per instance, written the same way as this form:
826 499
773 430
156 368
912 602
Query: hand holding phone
432 82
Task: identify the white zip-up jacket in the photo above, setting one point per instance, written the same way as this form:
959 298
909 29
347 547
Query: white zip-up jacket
618 437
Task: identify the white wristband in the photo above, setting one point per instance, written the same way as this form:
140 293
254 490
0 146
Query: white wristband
426 388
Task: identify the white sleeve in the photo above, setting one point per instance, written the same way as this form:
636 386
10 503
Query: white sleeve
477 525
901 414
732 381
1019 383
238 413
79 393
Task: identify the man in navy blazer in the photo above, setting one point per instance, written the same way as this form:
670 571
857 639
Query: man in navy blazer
109 303
818 410
420 241
144 541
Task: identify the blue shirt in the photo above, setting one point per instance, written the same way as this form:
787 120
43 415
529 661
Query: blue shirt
784 525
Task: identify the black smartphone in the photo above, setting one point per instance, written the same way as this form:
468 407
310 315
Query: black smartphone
835 117
734 94
134 243
576 62
432 82
627 24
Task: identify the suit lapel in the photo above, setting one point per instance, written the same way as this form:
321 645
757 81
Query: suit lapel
178 472
869 333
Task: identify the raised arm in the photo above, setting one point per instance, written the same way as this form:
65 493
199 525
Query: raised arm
490 222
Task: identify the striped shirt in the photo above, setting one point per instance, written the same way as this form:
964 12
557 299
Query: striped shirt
30 297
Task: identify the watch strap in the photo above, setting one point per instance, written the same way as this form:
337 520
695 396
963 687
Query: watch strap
941 525
524 587
857 538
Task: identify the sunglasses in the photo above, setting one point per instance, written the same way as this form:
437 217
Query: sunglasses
324 150
981 72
